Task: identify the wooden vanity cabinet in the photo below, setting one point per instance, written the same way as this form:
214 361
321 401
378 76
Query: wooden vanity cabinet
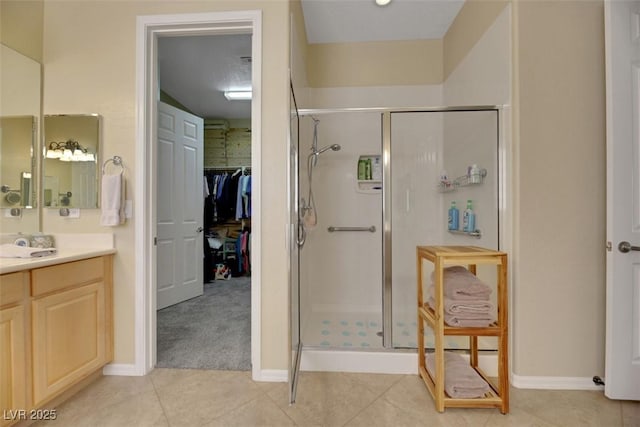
13 343
56 330
71 324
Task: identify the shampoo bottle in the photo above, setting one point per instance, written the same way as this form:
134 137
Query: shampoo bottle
376 171
368 169
474 177
362 173
469 219
454 216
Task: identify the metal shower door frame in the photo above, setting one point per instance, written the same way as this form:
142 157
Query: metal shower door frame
385 129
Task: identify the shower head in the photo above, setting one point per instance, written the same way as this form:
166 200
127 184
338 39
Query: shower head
334 147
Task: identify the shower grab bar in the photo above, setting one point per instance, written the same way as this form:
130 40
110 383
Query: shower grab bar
371 229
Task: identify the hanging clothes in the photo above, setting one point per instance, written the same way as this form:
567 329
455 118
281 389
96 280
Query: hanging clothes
229 197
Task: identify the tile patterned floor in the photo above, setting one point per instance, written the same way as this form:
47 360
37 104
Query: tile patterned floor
174 397
359 330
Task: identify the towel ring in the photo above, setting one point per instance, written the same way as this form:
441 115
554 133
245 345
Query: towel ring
116 160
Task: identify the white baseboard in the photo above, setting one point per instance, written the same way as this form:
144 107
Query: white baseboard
272 375
554 383
123 369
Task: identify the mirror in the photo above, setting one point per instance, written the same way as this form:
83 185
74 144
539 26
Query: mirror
20 83
17 142
70 163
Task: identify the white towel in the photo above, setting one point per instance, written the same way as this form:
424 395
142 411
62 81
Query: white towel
112 200
9 250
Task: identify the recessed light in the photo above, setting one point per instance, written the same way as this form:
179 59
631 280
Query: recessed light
235 95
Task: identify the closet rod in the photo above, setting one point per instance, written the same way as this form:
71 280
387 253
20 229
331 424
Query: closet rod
227 167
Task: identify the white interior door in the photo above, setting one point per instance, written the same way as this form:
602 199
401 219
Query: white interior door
622 28
180 204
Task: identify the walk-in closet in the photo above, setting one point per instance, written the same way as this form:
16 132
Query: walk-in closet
209 328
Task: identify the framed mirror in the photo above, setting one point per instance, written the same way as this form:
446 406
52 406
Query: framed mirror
20 83
70 162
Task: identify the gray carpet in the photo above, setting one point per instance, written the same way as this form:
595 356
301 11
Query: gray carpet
212 331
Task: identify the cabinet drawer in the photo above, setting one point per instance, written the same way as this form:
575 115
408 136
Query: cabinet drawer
49 279
12 287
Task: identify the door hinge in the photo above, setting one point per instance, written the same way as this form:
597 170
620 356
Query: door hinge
155 241
609 246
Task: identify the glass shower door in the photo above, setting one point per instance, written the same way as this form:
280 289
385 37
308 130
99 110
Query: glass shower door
422 147
296 240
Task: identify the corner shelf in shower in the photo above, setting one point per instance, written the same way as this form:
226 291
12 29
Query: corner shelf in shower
461 181
369 186
477 233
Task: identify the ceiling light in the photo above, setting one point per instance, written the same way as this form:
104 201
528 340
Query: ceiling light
234 95
383 2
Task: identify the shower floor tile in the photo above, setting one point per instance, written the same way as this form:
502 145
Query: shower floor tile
345 330
360 331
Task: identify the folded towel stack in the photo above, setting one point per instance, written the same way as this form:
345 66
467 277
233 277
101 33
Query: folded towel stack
466 299
461 381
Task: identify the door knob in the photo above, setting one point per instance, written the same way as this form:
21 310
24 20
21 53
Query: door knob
625 247
199 230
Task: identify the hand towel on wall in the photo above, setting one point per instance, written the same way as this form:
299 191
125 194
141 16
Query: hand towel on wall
112 200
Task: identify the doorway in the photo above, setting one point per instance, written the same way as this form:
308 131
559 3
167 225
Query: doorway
150 30
204 310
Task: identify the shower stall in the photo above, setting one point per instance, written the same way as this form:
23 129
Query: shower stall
356 255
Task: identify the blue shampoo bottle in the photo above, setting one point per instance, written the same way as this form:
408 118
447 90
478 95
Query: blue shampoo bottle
454 217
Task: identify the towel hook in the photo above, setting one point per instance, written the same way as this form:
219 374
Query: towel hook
116 160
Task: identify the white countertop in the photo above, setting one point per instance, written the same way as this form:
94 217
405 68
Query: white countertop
11 265
71 247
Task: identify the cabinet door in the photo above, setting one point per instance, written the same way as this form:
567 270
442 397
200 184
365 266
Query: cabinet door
68 338
12 361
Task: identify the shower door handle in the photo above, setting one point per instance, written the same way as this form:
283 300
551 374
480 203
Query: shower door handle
302 235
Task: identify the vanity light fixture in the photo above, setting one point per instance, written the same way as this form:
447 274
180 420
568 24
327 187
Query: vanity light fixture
69 151
237 95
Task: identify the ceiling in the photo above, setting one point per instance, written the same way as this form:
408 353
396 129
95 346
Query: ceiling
347 21
197 70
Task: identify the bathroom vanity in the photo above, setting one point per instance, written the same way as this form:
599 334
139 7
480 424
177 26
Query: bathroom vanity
56 329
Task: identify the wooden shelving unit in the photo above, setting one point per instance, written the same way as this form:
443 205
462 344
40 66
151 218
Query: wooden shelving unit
471 256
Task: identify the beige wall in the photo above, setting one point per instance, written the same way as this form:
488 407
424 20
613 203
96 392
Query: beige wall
412 62
469 26
559 263
483 75
21 26
95 73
